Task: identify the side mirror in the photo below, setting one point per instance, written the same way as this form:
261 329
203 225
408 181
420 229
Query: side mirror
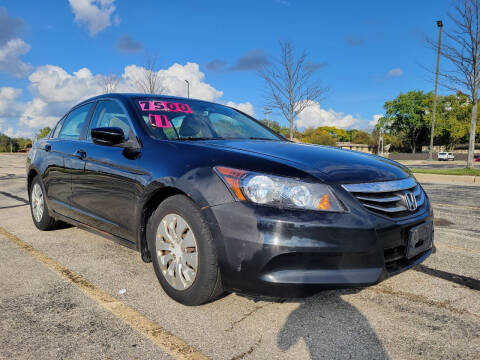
108 136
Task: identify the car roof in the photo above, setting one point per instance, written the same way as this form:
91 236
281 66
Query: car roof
136 95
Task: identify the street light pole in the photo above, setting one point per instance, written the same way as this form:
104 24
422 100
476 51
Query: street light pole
188 89
380 142
267 112
432 129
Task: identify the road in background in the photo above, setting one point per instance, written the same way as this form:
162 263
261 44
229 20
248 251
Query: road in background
431 312
425 164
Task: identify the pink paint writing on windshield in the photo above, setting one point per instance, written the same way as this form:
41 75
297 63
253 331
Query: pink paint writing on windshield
155 105
160 121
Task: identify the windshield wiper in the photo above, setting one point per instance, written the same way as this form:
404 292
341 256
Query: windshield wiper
199 138
260 138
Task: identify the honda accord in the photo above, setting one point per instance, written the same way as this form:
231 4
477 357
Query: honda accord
218 201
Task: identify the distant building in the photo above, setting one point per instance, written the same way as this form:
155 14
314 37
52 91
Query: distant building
460 148
436 148
356 147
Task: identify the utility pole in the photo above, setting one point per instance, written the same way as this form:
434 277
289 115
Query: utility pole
267 112
432 130
380 142
188 89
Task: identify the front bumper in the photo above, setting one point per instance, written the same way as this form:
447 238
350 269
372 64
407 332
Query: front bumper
279 252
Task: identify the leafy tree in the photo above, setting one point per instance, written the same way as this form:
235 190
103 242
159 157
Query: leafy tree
406 115
42 133
339 134
4 143
461 49
453 119
23 143
395 140
361 137
272 124
320 136
283 130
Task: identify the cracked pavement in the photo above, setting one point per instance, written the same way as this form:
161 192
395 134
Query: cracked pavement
430 312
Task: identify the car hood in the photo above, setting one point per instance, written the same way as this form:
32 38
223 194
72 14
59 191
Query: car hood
331 164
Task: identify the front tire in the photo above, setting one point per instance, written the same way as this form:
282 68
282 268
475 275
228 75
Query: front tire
183 252
38 206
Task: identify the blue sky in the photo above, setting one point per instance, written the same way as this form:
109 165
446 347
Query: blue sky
371 51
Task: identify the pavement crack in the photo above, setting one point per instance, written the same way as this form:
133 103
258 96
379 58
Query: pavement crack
249 351
421 299
245 316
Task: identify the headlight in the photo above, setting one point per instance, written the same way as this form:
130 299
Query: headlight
279 191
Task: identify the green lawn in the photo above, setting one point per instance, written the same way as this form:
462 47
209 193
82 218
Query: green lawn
459 171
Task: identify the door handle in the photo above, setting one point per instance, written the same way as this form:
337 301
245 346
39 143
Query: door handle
81 154
47 147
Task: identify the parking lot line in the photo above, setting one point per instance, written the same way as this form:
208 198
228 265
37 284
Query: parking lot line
455 206
473 251
165 340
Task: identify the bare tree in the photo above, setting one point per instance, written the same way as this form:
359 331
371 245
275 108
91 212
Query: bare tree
110 83
290 85
462 50
148 81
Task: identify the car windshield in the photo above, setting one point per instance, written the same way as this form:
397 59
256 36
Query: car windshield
198 120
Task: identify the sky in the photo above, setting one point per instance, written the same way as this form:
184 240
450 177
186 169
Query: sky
54 54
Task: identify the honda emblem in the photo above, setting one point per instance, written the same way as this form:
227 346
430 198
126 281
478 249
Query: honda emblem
410 201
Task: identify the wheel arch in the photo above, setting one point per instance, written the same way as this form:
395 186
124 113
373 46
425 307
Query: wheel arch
31 175
150 205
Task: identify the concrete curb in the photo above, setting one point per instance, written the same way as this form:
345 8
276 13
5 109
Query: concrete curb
448 179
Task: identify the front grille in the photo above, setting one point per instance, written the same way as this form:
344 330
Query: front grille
389 198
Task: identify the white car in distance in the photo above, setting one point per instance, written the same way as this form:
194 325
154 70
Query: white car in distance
445 156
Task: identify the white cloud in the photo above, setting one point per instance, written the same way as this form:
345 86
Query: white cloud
172 80
38 113
56 90
9 132
53 84
10 62
246 107
315 116
374 120
9 106
396 72
95 14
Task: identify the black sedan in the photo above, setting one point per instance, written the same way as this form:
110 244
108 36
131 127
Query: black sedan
217 201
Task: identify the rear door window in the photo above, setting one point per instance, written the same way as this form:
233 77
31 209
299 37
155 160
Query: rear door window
74 123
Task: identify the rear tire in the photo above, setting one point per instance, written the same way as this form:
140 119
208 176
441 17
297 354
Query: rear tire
38 206
183 252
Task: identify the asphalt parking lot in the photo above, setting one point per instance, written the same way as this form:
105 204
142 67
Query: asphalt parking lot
69 294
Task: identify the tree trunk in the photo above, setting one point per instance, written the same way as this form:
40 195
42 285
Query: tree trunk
471 142
291 127
414 143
